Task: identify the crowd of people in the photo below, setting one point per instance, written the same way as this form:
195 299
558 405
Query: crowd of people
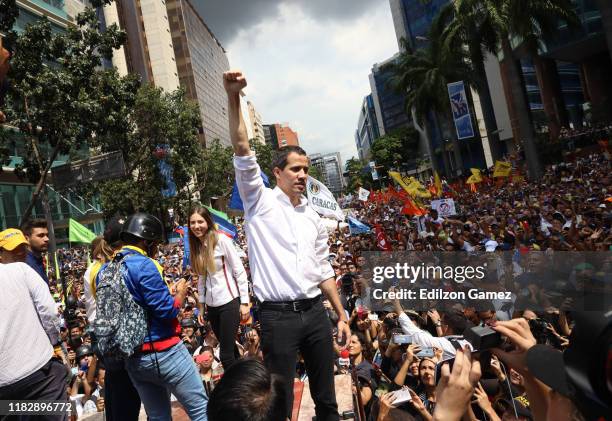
227 329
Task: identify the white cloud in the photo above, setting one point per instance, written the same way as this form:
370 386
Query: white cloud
313 74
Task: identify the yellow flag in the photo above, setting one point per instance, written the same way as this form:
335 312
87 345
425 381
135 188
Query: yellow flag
476 177
412 186
502 169
399 179
438 183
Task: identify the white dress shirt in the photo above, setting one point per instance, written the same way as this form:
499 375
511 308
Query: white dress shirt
29 324
287 245
427 340
229 280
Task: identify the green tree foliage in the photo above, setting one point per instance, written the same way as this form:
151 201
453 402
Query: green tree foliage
8 14
315 173
157 119
358 175
265 155
499 22
58 96
395 148
215 171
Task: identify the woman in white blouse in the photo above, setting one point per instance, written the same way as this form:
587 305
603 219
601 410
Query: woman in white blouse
222 284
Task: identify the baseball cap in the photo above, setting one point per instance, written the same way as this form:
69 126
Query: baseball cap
11 238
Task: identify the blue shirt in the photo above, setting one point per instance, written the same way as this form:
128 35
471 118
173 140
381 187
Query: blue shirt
36 263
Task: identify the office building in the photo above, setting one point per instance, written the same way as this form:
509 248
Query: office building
367 128
15 193
246 116
201 62
569 83
330 167
269 131
256 124
412 20
279 135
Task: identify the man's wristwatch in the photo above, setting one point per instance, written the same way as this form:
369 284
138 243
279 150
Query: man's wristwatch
438 323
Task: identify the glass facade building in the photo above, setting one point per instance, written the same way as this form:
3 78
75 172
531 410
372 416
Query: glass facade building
390 105
15 193
201 61
367 128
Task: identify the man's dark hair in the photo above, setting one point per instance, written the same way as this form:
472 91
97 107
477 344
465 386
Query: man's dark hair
457 322
280 156
33 223
247 391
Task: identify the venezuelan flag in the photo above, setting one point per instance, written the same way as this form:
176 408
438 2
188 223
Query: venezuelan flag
224 226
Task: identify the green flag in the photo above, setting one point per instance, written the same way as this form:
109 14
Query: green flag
78 233
220 214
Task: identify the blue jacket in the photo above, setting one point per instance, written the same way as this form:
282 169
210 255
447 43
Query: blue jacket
145 282
36 263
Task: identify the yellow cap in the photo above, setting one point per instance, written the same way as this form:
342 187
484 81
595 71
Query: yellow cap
11 238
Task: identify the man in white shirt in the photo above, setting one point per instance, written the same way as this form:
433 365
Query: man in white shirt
288 256
29 330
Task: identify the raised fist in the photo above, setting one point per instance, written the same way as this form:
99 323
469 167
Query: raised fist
234 81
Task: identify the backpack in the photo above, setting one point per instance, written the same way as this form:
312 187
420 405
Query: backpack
121 324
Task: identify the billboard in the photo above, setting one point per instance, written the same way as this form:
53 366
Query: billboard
461 110
100 167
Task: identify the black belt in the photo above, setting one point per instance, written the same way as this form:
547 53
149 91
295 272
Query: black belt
296 306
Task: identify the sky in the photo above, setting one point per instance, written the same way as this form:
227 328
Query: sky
306 61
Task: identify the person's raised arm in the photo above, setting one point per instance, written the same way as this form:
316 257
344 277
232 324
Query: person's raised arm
234 82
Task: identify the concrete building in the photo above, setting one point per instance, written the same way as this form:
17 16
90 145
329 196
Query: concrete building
200 61
389 105
256 124
246 116
331 169
269 131
569 83
279 135
148 51
412 20
367 127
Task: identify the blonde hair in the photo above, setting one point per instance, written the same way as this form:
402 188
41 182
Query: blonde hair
101 250
202 253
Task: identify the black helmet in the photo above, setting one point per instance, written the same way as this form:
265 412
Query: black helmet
188 323
83 351
143 226
112 233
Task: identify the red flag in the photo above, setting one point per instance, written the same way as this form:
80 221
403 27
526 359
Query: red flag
412 209
381 239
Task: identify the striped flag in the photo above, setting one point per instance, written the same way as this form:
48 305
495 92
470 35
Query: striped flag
224 226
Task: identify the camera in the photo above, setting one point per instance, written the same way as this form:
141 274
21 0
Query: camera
539 330
482 337
347 283
70 312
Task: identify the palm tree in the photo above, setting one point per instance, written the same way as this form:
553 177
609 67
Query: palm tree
469 28
526 21
424 74
605 6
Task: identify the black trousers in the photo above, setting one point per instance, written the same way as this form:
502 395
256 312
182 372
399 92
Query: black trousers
283 334
121 400
224 321
47 383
